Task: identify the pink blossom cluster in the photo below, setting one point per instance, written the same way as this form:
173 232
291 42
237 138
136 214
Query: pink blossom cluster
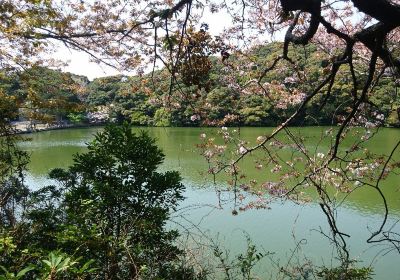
274 188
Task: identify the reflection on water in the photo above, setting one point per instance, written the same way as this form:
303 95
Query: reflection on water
274 229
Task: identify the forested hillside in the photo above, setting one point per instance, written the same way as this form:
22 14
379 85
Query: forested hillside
227 97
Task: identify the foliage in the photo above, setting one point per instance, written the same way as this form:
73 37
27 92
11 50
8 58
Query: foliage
111 206
140 102
115 193
13 162
55 266
242 265
76 118
162 117
195 66
58 265
12 276
40 94
222 97
338 64
13 191
345 272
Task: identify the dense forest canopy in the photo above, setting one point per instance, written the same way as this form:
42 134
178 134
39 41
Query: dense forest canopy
193 66
338 64
145 100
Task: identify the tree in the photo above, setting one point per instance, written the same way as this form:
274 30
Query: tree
13 190
13 163
105 217
116 205
48 95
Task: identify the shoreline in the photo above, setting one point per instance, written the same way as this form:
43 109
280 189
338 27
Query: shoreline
23 127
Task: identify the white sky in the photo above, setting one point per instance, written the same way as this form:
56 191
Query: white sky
79 62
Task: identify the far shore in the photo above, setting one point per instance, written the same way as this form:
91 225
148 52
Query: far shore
26 127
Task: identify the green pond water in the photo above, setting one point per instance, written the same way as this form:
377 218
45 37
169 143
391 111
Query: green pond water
275 230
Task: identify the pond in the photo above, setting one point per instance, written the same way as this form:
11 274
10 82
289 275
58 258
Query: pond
278 229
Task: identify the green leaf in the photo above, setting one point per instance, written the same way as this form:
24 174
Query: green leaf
25 271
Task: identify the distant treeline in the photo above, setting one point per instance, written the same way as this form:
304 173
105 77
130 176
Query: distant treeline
227 95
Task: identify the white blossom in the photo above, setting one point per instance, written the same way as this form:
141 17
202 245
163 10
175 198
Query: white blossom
260 139
242 150
194 117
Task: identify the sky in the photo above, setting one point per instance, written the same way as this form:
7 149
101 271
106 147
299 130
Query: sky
79 62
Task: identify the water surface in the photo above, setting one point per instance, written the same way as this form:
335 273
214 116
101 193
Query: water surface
278 229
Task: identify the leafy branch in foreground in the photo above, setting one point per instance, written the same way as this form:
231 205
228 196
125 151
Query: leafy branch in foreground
111 206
